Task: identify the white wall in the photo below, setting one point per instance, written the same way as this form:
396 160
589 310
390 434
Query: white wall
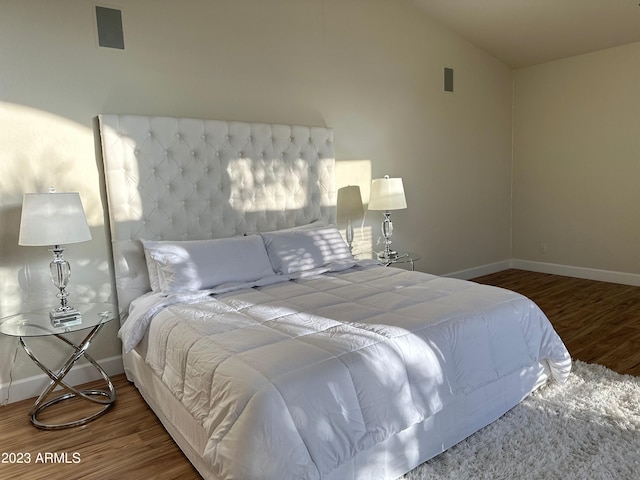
371 69
577 161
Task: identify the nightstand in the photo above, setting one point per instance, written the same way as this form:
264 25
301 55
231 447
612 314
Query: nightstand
38 324
407 258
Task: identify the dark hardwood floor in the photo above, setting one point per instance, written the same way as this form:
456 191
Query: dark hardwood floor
599 322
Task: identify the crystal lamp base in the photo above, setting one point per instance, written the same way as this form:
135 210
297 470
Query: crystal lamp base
65 317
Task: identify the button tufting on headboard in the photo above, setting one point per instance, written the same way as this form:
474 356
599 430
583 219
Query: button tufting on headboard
179 178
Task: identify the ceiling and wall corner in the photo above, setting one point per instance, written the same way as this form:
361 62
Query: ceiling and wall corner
576 151
523 33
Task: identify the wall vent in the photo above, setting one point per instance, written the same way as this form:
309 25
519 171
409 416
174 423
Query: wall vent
110 32
448 79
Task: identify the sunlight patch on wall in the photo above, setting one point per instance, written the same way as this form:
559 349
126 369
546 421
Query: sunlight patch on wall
354 172
40 150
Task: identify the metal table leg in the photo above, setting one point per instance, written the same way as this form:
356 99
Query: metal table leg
101 397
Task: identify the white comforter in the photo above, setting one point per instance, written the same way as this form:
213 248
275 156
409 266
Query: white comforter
292 379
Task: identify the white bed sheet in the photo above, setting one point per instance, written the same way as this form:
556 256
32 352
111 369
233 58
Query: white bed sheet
380 354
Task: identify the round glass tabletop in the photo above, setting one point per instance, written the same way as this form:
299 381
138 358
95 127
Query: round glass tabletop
37 323
402 257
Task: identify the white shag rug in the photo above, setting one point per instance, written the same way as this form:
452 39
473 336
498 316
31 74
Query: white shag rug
588 428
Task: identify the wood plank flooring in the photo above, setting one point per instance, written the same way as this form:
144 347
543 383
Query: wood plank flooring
599 322
127 442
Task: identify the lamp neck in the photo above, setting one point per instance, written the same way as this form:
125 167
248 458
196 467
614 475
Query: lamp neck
57 251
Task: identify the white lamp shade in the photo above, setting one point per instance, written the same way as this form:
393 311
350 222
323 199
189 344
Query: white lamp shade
349 204
387 194
52 219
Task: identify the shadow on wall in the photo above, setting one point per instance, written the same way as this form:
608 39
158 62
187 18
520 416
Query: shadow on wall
358 172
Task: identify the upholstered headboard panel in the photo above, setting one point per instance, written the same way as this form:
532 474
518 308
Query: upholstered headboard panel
187 179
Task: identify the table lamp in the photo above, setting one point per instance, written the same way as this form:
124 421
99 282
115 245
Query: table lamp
54 219
387 194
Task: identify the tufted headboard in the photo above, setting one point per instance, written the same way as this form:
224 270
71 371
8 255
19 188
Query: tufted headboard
187 179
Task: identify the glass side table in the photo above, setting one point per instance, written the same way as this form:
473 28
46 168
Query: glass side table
402 258
38 324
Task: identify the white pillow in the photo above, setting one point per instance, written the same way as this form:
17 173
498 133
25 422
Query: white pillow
152 270
201 264
306 226
297 250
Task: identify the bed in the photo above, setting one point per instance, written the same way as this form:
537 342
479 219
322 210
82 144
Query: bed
263 346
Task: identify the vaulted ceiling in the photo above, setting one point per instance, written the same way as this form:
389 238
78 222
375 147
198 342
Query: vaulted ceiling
528 32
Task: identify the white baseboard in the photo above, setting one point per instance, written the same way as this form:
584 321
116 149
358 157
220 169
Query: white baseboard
31 387
578 272
552 268
474 272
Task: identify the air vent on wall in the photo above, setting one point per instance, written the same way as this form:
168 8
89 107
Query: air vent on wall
110 32
448 79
